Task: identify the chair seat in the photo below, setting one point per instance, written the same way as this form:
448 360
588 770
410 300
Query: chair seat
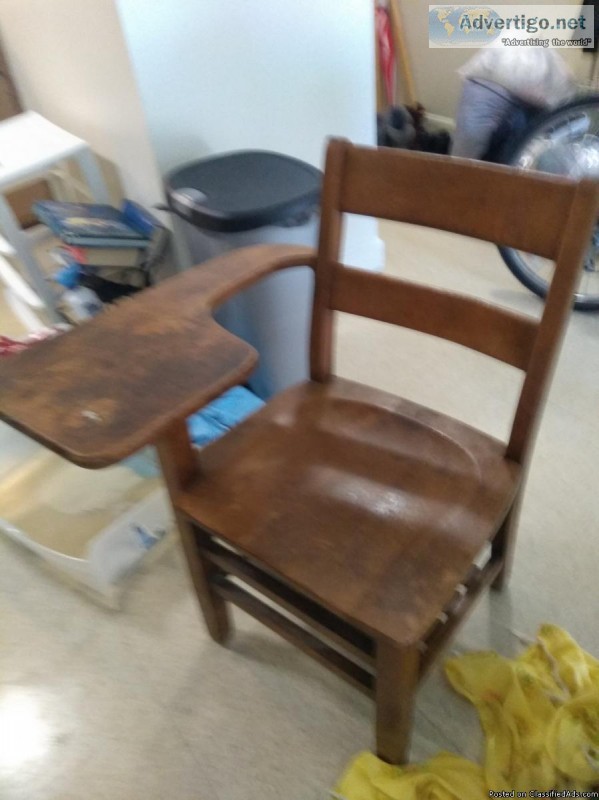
371 505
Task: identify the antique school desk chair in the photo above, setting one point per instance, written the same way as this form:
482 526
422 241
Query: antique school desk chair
353 512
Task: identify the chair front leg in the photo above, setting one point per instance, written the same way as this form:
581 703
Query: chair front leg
397 672
214 608
179 466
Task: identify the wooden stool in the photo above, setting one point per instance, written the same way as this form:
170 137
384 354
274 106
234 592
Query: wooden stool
31 147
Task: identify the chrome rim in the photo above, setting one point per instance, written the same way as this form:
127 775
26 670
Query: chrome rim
568 145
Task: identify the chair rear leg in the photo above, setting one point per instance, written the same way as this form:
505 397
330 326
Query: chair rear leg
504 543
397 672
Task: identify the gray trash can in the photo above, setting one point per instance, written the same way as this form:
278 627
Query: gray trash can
255 197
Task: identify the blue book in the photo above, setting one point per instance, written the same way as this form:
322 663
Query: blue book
98 225
140 219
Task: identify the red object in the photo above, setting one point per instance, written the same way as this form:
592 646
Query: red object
77 253
386 46
11 347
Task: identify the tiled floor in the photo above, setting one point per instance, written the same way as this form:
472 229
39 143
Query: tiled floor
141 705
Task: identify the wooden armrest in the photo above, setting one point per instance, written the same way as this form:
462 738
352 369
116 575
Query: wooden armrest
100 392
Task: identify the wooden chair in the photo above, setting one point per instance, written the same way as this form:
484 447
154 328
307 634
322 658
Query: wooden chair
357 515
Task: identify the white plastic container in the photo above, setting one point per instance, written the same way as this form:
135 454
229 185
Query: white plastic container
94 528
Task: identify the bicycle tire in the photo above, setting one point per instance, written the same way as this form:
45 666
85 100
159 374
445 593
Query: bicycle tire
510 156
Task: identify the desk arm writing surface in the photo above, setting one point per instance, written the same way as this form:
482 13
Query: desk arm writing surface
101 392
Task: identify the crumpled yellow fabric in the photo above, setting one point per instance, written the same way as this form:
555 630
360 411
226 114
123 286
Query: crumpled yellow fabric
539 712
444 777
540 716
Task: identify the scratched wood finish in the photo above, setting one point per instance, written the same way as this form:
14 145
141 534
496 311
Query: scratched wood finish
102 391
354 512
496 332
366 503
490 202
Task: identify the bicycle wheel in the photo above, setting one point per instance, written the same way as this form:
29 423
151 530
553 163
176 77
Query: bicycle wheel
562 142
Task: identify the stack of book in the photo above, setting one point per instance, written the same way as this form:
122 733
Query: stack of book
114 249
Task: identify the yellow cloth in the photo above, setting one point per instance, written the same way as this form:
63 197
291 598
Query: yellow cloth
540 716
444 777
539 712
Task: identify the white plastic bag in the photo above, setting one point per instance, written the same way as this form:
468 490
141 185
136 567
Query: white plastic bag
536 75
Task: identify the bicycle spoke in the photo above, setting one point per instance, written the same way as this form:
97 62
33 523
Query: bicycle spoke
566 143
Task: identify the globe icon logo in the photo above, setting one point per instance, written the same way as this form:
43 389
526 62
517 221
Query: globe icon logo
462 26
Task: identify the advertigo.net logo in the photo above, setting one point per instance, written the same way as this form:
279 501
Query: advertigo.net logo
511 26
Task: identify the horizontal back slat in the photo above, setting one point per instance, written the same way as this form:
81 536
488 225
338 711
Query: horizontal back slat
488 202
494 331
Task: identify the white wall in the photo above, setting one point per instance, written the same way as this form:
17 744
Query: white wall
150 84
222 74
219 75
70 63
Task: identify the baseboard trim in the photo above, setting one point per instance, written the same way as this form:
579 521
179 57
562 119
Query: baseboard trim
439 121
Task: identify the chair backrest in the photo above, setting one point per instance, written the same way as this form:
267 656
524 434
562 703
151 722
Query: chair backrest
549 216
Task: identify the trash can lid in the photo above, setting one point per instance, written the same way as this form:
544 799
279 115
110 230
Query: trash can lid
244 190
